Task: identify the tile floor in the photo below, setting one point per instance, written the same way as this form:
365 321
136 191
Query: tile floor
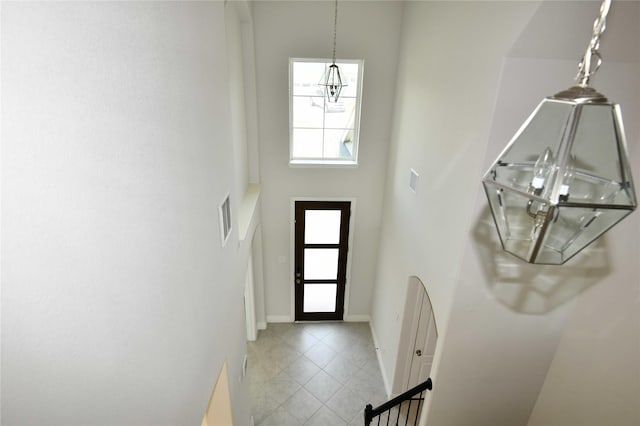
313 374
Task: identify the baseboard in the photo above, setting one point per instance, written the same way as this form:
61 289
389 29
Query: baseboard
261 325
278 318
357 318
387 385
286 318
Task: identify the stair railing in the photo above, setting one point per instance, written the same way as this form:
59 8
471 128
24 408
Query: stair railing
395 408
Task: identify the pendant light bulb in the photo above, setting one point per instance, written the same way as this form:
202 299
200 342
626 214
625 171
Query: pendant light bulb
567 178
334 83
541 170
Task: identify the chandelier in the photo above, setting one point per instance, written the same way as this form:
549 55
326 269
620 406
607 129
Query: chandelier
564 178
333 81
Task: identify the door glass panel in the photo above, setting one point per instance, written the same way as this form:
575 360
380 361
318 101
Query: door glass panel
320 297
322 226
320 264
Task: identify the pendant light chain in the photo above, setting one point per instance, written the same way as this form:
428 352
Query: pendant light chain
335 25
592 59
333 81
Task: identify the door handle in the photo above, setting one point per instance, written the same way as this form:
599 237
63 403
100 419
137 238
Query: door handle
419 352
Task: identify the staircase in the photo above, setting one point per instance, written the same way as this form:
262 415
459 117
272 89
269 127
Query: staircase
401 410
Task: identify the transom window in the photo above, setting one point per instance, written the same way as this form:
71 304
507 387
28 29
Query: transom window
323 132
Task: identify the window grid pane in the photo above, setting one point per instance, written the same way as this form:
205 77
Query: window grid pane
335 124
307 113
308 143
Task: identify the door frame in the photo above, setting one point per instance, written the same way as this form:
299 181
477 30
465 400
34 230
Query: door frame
292 250
250 302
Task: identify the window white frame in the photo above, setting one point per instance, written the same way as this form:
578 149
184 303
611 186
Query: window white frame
326 161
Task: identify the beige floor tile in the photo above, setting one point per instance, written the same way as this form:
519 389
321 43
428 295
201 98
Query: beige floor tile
302 405
339 341
302 370
300 339
313 374
325 417
280 417
323 386
282 387
341 369
262 406
319 329
346 404
321 354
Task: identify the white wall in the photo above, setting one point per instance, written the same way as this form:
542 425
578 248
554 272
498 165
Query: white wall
367 30
449 70
464 86
238 122
241 63
594 378
119 304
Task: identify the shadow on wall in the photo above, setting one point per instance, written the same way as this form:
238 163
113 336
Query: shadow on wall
535 289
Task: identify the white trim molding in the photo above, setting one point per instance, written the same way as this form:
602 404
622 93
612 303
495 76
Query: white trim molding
387 384
357 318
278 318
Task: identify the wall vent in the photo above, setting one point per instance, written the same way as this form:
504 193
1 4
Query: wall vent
413 181
244 365
225 220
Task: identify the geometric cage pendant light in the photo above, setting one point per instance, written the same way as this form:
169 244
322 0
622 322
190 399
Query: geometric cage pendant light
564 178
332 81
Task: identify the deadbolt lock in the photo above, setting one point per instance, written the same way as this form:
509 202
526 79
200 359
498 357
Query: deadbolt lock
419 352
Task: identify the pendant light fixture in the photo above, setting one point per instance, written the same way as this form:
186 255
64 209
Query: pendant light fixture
333 81
564 179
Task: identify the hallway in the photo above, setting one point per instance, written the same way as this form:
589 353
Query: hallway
313 374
